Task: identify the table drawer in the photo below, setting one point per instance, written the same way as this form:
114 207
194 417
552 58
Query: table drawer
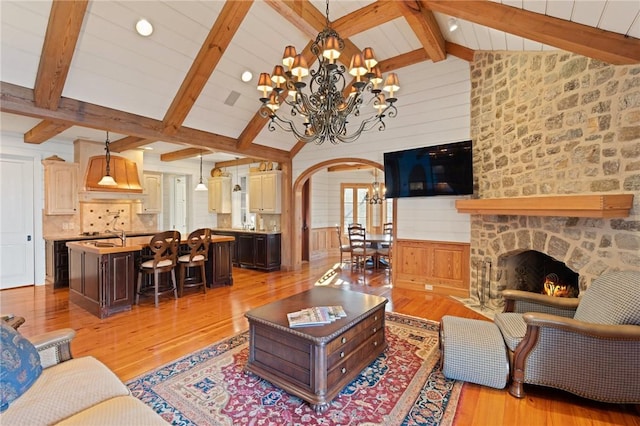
356 335
355 361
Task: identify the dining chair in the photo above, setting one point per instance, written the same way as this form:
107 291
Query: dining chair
344 248
164 247
358 245
198 243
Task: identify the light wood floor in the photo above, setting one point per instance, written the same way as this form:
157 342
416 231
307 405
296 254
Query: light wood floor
131 343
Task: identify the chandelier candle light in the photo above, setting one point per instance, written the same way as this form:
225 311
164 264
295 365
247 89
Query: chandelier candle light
325 112
378 191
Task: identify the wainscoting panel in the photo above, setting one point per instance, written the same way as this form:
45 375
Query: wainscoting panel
441 267
324 242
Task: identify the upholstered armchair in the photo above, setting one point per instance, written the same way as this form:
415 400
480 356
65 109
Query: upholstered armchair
588 346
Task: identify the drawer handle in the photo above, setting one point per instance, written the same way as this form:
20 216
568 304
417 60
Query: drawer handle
343 370
375 329
375 318
375 343
342 354
343 340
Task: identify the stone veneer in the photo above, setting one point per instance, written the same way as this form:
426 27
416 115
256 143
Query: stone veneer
554 123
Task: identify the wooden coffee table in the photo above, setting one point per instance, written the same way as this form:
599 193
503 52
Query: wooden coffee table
315 363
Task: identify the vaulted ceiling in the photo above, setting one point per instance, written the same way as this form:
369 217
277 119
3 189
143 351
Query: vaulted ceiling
75 69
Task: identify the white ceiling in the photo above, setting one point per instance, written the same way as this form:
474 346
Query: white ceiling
114 67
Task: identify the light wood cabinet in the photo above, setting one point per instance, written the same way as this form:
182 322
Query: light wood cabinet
152 185
60 188
265 194
220 194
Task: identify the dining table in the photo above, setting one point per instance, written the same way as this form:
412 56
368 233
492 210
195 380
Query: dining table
377 241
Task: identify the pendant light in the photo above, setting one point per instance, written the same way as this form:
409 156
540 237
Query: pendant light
201 186
107 180
237 187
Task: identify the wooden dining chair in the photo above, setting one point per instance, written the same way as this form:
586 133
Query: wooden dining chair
384 251
344 248
198 243
358 245
164 247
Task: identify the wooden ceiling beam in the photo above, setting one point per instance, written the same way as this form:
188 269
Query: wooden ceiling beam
63 30
348 167
129 142
366 18
184 153
238 162
214 46
301 14
16 99
426 28
459 51
607 46
44 131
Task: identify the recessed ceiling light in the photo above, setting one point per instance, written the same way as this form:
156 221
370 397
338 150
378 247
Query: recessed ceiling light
453 24
247 76
144 27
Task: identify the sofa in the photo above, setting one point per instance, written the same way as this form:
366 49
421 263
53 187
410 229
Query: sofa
43 384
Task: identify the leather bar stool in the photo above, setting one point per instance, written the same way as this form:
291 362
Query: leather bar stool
164 247
198 243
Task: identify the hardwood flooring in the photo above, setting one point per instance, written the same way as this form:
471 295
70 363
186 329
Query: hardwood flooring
133 342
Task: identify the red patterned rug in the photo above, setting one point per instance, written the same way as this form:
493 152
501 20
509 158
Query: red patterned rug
403 386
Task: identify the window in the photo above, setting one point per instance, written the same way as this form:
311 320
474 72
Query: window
240 216
354 208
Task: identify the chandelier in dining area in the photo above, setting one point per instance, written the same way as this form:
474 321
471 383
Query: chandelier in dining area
325 112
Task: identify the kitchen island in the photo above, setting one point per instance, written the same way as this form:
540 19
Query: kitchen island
103 273
254 248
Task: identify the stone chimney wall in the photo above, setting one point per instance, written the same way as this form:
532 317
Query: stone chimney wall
554 123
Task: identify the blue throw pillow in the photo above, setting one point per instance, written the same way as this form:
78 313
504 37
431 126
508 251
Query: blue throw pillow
19 365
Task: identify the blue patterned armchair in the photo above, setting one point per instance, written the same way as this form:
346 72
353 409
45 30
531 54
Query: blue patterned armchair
588 346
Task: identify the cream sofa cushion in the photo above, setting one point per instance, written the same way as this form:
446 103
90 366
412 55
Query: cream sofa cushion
122 410
64 390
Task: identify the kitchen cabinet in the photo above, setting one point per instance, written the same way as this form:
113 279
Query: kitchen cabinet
265 192
60 187
103 284
219 268
220 194
259 251
152 188
57 263
233 246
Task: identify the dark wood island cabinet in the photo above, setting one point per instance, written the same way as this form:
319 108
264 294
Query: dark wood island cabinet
255 249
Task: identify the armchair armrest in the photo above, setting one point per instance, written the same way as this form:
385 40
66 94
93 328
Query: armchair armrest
54 347
540 358
526 301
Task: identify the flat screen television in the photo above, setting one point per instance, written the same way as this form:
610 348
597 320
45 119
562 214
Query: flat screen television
433 170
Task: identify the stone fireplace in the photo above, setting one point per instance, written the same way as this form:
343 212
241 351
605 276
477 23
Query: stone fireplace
534 271
547 124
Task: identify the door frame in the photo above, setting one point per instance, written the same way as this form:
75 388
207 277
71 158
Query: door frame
298 187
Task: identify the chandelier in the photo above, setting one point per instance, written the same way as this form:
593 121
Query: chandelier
324 113
378 191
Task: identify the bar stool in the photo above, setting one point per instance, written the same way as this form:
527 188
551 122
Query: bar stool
198 243
164 247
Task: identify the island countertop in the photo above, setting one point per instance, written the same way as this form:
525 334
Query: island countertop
112 245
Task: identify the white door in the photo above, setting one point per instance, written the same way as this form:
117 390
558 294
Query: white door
17 250
180 205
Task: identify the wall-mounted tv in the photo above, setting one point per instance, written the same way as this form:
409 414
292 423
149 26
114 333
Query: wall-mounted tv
433 170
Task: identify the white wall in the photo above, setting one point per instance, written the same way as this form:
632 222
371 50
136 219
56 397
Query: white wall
443 104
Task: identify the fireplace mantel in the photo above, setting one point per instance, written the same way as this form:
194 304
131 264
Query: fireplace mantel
600 205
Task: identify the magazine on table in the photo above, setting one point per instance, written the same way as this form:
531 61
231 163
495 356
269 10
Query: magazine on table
317 315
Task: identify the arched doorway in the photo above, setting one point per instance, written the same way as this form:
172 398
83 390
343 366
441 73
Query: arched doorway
298 186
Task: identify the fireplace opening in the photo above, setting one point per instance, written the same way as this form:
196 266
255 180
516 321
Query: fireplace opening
537 272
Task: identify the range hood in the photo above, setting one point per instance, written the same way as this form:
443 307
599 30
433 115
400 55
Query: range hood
123 171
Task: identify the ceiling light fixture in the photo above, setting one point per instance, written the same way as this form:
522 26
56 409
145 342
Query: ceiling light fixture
144 27
107 180
246 76
201 186
325 112
377 189
453 24
237 187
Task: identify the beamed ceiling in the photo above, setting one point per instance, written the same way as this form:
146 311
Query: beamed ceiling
75 69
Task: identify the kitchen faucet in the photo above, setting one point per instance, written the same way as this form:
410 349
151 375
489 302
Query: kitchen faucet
117 232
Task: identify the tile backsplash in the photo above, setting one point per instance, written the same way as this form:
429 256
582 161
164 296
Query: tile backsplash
97 217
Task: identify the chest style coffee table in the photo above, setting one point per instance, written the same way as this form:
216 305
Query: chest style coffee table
315 363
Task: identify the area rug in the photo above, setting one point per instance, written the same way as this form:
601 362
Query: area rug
403 386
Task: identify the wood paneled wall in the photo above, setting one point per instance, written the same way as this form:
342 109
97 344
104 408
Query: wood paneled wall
444 266
324 242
